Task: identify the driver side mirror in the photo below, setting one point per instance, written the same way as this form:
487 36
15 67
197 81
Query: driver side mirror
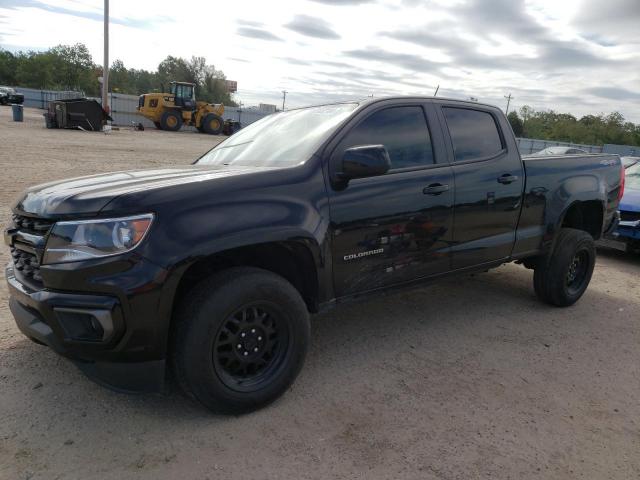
364 161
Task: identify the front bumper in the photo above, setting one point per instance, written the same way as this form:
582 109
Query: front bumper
627 231
107 320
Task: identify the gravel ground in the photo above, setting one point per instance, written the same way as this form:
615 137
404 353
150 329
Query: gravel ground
468 378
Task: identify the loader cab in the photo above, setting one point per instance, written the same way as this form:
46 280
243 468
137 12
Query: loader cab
184 94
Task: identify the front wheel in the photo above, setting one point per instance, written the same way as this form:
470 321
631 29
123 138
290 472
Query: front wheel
563 276
240 339
212 124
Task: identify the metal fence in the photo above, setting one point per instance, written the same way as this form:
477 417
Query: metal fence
622 150
41 98
123 107
532 145
123 112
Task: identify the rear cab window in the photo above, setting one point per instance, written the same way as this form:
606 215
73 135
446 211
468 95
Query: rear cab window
474 134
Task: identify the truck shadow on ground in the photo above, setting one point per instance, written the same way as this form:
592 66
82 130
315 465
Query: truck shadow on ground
629 259
453 318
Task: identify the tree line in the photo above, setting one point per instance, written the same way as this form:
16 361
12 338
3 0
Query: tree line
564 127
71 67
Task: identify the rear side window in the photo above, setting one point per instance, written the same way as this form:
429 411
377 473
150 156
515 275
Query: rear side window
474 133
402 130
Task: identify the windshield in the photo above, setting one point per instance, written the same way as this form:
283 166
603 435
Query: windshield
632 177
281 139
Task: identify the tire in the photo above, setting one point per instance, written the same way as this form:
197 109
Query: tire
240 339
158 125
171 120
212 124
3 101
563 276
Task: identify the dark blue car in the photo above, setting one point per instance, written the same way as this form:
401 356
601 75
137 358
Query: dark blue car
628 230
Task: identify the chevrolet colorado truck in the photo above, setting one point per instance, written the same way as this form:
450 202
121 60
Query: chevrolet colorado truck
210 271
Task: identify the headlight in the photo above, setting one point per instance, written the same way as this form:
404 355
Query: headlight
85 239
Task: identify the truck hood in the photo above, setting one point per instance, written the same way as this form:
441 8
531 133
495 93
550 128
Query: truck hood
630 201
89 195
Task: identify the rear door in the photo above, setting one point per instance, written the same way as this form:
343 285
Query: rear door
395 227
489 181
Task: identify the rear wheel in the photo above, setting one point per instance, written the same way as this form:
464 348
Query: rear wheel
240 339
212 124
563 276
171 120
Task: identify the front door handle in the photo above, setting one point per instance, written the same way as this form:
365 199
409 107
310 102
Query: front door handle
507 178
435 189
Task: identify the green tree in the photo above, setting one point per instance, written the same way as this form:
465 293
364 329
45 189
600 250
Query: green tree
174 69
8 65
73 67
516 123
34 70
120 79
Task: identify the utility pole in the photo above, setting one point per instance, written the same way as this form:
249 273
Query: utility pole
284 96
508 97
105 67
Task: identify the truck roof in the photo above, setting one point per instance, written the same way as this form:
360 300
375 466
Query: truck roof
370 100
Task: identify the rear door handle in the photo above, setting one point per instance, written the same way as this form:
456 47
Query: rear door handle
507 178
435 189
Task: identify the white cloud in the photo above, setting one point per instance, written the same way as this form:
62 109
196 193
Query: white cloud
547 53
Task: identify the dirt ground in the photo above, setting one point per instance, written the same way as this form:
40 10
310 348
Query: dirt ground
469 378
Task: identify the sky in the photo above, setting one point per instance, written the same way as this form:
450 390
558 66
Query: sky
575 56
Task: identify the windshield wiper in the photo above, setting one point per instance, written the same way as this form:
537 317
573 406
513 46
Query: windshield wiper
235 145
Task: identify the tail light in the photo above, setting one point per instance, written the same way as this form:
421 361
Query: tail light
621 190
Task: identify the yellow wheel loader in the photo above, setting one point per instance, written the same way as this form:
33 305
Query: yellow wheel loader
169 111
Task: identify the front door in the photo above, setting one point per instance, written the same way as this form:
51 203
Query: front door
395 227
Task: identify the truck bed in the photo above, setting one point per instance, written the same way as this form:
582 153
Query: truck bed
550 180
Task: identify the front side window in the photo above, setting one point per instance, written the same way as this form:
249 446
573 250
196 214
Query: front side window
402 130
474 133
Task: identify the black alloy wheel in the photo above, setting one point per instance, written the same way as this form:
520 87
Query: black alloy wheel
577 273
562 276
239 339
250 346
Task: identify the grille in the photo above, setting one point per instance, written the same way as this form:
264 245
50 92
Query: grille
629 216
36 226
26 263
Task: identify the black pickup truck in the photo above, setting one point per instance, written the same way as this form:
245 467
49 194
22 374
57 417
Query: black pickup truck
8 95
210 270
